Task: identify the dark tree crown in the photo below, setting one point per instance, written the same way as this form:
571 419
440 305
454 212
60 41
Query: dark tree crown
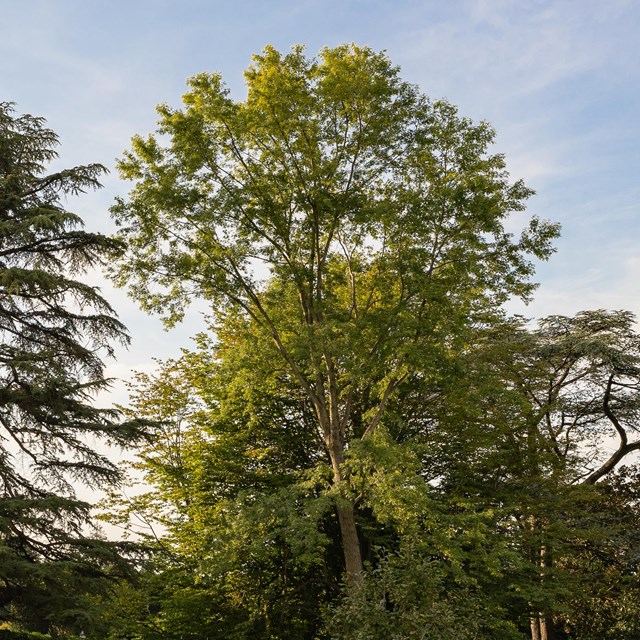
54 331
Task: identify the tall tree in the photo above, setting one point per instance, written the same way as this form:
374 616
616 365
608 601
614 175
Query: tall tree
54 331
355 224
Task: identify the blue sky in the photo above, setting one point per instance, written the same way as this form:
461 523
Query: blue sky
559 80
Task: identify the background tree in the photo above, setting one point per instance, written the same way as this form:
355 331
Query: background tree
549 413
233 501
54 331
352 223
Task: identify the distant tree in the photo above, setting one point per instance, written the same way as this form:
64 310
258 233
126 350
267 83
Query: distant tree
581 378
54 331
549 415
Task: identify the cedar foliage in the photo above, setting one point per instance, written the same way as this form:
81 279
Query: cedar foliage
55 331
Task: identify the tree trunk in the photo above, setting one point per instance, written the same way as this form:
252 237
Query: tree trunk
347 522
536 633
542 625
350 543
547 631
542 628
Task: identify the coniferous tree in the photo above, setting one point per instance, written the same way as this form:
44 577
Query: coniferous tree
55 331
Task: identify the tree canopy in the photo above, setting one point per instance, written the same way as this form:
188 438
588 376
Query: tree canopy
350 225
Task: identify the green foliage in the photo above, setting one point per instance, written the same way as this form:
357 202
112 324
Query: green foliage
54 331
338 220
410 596
538 409
360 390
8 634
606 605
248 531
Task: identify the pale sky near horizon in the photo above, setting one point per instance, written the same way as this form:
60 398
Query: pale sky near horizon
559 80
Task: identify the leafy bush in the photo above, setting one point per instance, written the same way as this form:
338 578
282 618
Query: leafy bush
9 634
